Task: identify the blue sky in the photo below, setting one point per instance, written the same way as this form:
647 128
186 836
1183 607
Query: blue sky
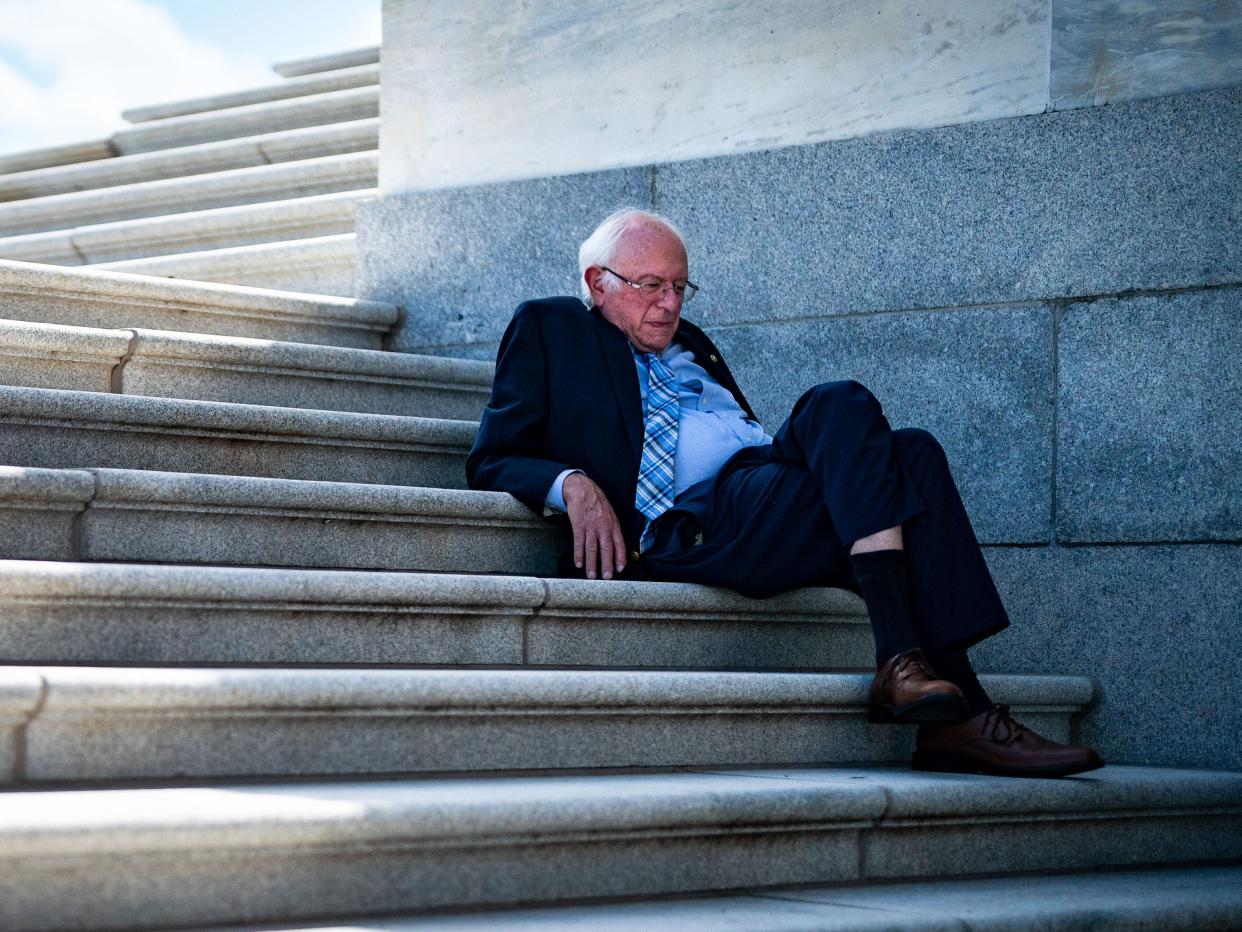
68 67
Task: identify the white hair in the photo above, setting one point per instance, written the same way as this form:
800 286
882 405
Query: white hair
600 248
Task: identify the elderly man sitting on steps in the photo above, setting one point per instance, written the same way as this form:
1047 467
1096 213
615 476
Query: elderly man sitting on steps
624 416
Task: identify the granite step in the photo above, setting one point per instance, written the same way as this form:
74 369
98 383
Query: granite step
54 356
125 613
269 148
137 515
41 293
326 265
204 367
98 724
318 64
191 231
174 856
352 171
1171 899
53 428
67 154
338 79
359 103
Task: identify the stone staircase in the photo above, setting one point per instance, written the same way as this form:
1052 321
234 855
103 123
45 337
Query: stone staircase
257 187
263 659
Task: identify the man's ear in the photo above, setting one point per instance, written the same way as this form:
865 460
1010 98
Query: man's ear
592 275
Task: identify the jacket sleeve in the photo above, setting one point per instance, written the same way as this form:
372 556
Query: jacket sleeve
508 450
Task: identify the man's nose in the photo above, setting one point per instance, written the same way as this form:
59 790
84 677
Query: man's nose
669 299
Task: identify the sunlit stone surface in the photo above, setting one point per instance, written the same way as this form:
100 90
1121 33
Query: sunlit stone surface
1104 51
500 91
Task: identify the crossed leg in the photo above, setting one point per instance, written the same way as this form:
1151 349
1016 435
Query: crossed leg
843 499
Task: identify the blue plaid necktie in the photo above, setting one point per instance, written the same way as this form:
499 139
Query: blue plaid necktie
655 472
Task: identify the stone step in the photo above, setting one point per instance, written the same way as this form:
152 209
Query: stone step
325 265
68 154
331 62
192 231
180 517
117 613
89 298
359 103
1172 899
203 367
352 171
91 724
51 428
339 79
285 146
244 853
55 356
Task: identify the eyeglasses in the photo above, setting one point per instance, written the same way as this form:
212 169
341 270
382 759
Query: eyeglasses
653 288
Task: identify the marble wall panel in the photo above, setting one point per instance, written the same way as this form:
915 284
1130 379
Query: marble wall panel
1149 443
481 91
1156 626
1105 51
980 380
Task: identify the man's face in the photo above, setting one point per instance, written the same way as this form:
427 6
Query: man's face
644 253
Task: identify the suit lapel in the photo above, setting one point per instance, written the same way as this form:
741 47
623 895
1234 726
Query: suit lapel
620 363
707 356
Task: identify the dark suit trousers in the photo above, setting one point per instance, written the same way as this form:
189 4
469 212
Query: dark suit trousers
783 516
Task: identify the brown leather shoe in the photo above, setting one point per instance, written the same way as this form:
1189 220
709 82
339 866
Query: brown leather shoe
993 743
906 690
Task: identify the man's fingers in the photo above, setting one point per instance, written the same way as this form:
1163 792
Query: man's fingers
606 564
579 538
592 549
599 545
618 546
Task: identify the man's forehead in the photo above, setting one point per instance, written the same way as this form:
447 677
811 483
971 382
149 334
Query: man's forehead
640 240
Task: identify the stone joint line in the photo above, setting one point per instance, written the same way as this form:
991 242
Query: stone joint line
1066 301
77 526
20 742
116 379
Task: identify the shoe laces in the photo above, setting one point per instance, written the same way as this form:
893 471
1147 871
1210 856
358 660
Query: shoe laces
1005 730
914 658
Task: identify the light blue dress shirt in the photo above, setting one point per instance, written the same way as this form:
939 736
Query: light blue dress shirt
710 428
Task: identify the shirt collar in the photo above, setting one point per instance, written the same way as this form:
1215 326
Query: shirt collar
666 354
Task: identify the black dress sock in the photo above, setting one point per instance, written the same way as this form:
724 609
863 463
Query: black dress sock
952 664
883 578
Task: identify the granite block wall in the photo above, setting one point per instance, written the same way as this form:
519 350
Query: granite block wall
980 379
1089 202
1148 413
1140 196
462 259
1058 297
1155 625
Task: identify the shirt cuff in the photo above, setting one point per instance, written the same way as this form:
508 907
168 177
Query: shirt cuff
555 502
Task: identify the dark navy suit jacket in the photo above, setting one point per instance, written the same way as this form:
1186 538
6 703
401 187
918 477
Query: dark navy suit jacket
566 396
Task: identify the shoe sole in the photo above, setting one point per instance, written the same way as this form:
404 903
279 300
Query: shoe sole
940 762
928 710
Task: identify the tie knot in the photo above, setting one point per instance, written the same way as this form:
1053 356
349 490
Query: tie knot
657 368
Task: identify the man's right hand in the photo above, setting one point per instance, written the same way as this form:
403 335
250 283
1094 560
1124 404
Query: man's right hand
599 545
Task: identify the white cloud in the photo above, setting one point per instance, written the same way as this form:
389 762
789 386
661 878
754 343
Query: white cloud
94 58
366 29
